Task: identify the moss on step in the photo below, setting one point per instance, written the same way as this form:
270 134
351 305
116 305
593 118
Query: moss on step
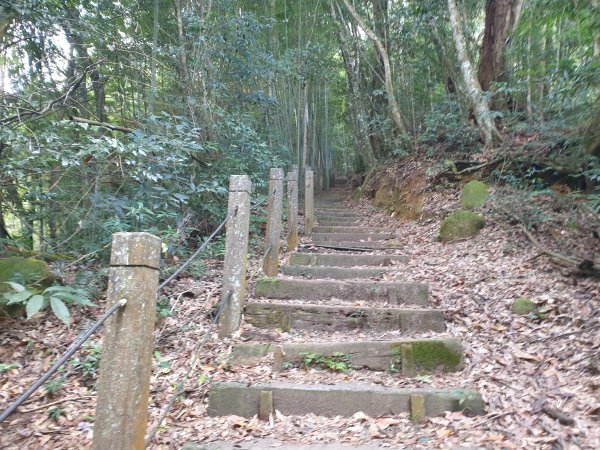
266 286
523 306
474 195
26 271
460 225
426 356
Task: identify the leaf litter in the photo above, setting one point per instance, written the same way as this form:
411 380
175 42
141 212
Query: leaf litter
531 370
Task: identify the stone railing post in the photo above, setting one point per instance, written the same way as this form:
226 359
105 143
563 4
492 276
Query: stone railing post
309 213
125 368
273 232
236 251
292 211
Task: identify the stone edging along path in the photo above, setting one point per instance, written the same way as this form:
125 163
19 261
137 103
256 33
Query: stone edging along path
329 291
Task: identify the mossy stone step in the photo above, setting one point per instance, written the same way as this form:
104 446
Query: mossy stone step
394 293
344 260
351 237
338 318
337 273
345 399
407 356
338 229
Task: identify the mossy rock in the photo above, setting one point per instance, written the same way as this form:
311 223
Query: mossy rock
474 195
461 225
26 271
523 306
357 194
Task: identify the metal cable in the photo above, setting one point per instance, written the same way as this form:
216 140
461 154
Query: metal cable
181 384
200 250
63 359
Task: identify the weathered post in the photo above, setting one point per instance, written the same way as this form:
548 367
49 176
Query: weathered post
292 212
236 250
309 213
273 232
125 368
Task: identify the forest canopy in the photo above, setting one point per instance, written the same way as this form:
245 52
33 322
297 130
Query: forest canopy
128 116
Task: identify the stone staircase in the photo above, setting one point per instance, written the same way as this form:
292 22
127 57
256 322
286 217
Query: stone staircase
374 325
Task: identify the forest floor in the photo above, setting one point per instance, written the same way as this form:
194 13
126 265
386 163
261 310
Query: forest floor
539 374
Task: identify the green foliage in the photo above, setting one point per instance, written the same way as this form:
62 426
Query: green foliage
88 365
56 413
57 297
9 367
53 386
337 362
445 125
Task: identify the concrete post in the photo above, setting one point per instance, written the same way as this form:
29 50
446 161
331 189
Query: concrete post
309 213
273 232
125 369
236 250
292 212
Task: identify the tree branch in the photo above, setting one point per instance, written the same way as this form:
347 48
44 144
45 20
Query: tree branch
102 124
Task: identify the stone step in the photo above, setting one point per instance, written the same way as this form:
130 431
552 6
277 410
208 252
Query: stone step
342 245
351 237
339 229
336 214
338 223
338 318
332 215
394 293
345 399
344 260
338 273
406 356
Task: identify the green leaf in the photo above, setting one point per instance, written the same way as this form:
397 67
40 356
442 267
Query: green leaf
17 297
423 378
16 286
60 310
34 305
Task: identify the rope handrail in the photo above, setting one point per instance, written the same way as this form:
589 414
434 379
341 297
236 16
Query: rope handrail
108 313
63 359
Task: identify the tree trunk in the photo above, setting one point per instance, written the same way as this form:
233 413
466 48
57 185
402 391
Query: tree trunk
153 69
501 20
474 92
356 104
380 15
397 117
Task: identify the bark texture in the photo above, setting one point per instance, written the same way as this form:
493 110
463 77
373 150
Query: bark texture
482 111
501 20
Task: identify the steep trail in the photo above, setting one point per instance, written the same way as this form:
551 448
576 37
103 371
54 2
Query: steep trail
354 331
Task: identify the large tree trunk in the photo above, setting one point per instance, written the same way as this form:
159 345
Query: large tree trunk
482 111
501 20
397 117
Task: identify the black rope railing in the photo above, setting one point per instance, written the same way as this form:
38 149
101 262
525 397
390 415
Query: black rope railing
121 303
63 359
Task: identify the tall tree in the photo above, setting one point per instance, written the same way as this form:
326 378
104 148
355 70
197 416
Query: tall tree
396 114
501 20
474 92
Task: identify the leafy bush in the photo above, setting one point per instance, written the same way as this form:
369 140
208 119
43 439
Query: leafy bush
57 297
444 124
